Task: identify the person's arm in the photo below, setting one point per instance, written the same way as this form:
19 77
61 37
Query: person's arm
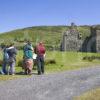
35 50
32 49
44 55
15 51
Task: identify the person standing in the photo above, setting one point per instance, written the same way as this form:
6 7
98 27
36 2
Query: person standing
12 52
5 61
28 58
40 51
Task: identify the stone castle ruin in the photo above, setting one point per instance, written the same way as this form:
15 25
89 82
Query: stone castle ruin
72 40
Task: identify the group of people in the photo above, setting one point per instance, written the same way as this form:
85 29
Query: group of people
9 58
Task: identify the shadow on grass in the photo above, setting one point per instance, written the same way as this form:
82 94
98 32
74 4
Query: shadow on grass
23 73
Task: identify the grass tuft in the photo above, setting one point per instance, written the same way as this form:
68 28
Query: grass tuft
91 95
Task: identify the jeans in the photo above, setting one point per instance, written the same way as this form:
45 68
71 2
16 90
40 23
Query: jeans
4 67
40 64
12 67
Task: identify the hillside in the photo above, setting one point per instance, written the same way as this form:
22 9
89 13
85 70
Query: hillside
51 35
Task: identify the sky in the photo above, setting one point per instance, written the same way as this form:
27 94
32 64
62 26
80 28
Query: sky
15 14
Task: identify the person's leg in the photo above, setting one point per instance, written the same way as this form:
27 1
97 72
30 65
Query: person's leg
26 71
12 68
42 65
38 65
25 66
34 62
4 70
30 66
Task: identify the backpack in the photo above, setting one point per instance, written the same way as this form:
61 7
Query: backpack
6 55
28 53
12 54
12 51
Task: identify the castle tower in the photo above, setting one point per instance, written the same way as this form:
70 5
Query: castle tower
95 34
70 40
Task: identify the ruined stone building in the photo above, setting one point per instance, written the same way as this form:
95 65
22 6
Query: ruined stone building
72 40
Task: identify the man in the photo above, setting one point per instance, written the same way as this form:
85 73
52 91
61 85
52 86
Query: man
40 51
12 52
28 58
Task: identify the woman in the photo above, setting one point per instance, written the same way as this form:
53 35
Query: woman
28 58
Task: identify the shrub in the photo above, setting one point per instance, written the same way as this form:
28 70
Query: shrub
50 61
91 58
1 62
20 63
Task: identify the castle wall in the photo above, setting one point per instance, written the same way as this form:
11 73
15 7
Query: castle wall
72 42
98 40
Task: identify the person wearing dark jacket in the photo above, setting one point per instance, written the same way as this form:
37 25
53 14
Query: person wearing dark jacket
40 51
12 52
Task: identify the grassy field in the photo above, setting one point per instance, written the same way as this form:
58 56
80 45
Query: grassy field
69 60
57 61
91 95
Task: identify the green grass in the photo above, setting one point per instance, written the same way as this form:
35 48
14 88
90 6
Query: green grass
91 95
63 61
69 60
50 35
12 77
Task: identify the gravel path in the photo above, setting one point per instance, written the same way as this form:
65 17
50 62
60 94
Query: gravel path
58 86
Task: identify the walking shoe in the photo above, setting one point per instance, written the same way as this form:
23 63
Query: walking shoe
39 73
2 72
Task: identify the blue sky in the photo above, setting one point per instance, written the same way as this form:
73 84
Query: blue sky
16 14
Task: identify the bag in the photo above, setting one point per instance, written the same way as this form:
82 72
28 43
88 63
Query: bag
12 51
34 56
6 56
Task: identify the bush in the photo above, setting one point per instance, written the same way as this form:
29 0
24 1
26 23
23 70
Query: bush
91 58
1 62
50 61
20 63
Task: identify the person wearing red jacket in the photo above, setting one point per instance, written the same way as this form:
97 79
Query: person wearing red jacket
40 51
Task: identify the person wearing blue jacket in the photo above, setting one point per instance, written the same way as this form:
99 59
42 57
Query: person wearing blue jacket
5 61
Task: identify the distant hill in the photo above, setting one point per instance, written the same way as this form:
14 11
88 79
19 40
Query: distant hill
51 35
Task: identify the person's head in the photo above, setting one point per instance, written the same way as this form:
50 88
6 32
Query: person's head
40 43
28 42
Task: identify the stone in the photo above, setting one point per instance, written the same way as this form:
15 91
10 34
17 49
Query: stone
72 40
